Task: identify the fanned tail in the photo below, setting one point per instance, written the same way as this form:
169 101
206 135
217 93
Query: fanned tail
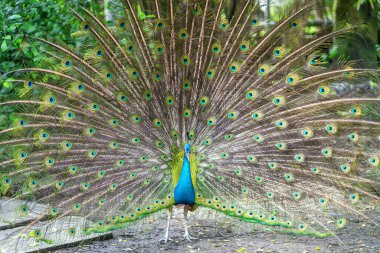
274 139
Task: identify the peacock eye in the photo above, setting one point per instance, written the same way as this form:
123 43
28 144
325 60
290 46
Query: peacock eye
235 67
148 95
211 121
161 24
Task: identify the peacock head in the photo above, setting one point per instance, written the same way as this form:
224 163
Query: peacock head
187 148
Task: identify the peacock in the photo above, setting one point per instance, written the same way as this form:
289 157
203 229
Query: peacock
179 104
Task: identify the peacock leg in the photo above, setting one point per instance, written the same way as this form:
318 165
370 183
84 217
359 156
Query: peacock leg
166 238
186 235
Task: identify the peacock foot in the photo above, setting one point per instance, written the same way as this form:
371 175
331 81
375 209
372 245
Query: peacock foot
165 239
187 236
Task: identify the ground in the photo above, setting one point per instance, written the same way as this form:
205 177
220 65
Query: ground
223 234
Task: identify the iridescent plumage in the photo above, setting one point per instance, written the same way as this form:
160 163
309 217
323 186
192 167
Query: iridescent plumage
184 191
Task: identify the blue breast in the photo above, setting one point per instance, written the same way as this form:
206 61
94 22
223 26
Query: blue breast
184 192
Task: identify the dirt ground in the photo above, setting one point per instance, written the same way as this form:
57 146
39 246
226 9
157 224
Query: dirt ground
224 234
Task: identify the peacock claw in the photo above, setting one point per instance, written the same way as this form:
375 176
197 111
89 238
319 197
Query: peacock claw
188 237
165 239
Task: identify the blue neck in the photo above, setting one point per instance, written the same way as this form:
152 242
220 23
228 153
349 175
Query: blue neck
184 192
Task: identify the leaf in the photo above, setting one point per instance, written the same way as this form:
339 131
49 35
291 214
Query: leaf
7 84
12 27
3 119
35 52
28 28
4 46
17 42
15 16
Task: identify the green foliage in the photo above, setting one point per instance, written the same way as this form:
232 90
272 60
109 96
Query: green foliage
35 18
362 43
363 2
22 19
